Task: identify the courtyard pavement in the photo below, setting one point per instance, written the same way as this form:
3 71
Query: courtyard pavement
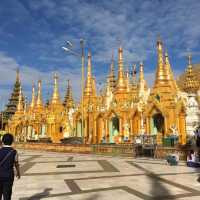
60 176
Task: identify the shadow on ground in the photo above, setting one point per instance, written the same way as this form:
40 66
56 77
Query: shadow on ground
39 196
158 190
93 197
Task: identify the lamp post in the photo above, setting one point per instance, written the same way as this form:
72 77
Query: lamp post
68 49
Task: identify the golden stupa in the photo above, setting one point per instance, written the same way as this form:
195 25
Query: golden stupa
125 109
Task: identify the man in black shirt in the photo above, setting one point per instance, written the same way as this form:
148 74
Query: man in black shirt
8 160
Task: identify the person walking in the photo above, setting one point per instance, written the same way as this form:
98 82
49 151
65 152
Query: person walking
8 160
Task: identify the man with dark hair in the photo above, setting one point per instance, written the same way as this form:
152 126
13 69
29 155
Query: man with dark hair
8 159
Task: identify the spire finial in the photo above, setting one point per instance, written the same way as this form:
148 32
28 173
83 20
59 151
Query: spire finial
112 58
111 76
33 97
39 95
159 37
142 86
89 63
55 97
120 82
160 74
88 88
141 77
17 75
189 59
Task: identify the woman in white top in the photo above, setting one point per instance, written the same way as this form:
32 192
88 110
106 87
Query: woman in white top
191 160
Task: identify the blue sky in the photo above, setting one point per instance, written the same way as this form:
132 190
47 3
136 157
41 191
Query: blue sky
33 31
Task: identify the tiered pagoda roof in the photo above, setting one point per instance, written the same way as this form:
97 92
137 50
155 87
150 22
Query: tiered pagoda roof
11 107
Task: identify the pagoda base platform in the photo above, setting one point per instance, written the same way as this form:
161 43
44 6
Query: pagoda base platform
45 140
72 140
129 150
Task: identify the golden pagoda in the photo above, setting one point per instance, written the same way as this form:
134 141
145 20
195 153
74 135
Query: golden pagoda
126 108
56 114
17 120
164 110
11 107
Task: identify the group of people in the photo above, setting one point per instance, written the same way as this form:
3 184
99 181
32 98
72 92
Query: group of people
8 161
193 159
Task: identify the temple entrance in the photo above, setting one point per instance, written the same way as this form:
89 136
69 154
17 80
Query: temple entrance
157 124
43 131
113 129
30 133
79 129
18 133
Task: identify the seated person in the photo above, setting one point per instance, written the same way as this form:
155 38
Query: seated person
173 159
192 160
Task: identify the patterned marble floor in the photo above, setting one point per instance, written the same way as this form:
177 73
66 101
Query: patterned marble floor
59 176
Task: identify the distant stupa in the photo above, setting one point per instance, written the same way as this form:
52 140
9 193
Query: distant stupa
11 107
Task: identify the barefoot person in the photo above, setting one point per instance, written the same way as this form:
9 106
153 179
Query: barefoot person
8 160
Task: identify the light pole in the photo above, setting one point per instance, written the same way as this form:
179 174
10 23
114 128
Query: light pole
68 49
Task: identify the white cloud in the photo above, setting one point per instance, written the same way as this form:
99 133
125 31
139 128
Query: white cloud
28 75
134 24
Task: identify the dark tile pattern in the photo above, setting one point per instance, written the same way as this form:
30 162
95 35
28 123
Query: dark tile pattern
157 179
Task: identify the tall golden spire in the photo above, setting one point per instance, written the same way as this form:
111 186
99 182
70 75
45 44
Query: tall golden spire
169 73
120 82
191 85
39 95
112 73
88 88
160 74
32 105
20 101
55 96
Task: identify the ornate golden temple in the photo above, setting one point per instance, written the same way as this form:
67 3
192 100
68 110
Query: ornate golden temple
126 108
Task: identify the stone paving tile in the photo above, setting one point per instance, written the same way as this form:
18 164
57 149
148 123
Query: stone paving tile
52 167
106 195
136 183
102 177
